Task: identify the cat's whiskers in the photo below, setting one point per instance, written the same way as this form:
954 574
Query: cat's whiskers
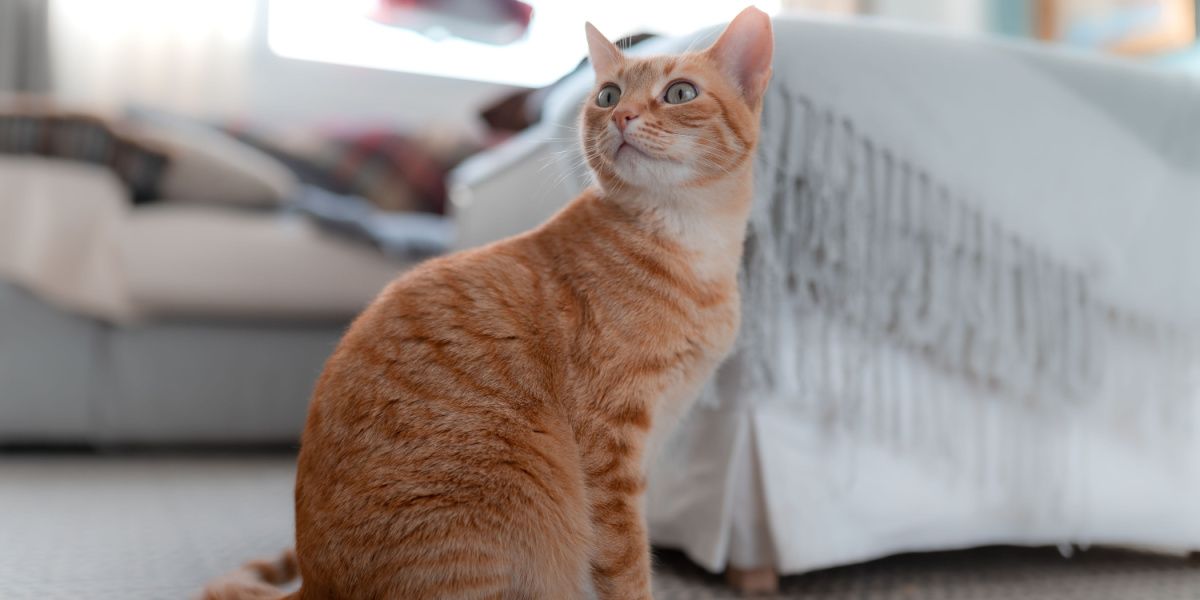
578 165
557 156
707 39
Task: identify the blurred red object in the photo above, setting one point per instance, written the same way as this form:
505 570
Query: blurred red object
496 22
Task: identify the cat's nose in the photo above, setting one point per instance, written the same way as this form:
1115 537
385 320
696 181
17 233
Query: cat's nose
622 117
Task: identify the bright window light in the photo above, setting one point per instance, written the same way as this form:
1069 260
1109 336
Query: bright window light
339 33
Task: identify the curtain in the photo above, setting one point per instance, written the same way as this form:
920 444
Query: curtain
187 56
24 50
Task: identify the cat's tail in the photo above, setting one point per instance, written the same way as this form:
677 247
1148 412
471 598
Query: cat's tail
255 580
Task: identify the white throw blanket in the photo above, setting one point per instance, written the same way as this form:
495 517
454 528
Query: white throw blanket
972 300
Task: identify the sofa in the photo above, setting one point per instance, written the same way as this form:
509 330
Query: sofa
200 318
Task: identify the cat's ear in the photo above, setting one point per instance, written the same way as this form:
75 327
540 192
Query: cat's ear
743 52
606 56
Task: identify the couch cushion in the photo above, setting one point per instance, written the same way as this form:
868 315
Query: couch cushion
196 260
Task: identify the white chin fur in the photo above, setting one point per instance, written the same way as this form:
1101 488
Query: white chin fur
641 170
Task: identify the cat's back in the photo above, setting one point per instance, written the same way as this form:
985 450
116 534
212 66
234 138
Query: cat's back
448 310
453 343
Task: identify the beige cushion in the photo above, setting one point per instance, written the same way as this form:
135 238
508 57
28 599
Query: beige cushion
211 167
193 260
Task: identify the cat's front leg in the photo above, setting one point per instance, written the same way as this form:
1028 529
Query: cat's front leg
621 560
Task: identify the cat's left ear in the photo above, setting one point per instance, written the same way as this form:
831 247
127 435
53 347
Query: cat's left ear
606 57
744 52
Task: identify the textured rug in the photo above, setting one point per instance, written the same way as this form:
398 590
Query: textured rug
136 527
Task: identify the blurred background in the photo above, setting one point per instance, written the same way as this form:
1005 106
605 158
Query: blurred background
197 196
289 62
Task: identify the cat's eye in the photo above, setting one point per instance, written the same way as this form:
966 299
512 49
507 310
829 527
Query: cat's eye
680 92
609 96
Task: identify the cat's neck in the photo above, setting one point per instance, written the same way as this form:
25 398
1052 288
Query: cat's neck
709 221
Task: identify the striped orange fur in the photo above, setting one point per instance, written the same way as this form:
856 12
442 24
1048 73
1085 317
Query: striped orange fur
482 430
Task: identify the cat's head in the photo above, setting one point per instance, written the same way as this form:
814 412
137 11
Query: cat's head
677 120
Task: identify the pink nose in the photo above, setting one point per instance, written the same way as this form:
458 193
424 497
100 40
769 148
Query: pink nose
622 118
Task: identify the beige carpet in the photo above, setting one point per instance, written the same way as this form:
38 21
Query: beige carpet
83 527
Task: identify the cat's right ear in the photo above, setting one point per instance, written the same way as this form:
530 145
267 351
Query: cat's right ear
606 57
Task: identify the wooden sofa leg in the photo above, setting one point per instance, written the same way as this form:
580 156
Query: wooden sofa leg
762 580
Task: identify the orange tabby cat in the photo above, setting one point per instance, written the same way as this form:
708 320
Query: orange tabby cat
483 429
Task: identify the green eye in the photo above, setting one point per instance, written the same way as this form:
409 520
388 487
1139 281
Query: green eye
680 92
608 96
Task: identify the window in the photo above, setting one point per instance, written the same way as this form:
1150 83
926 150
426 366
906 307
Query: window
339 32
